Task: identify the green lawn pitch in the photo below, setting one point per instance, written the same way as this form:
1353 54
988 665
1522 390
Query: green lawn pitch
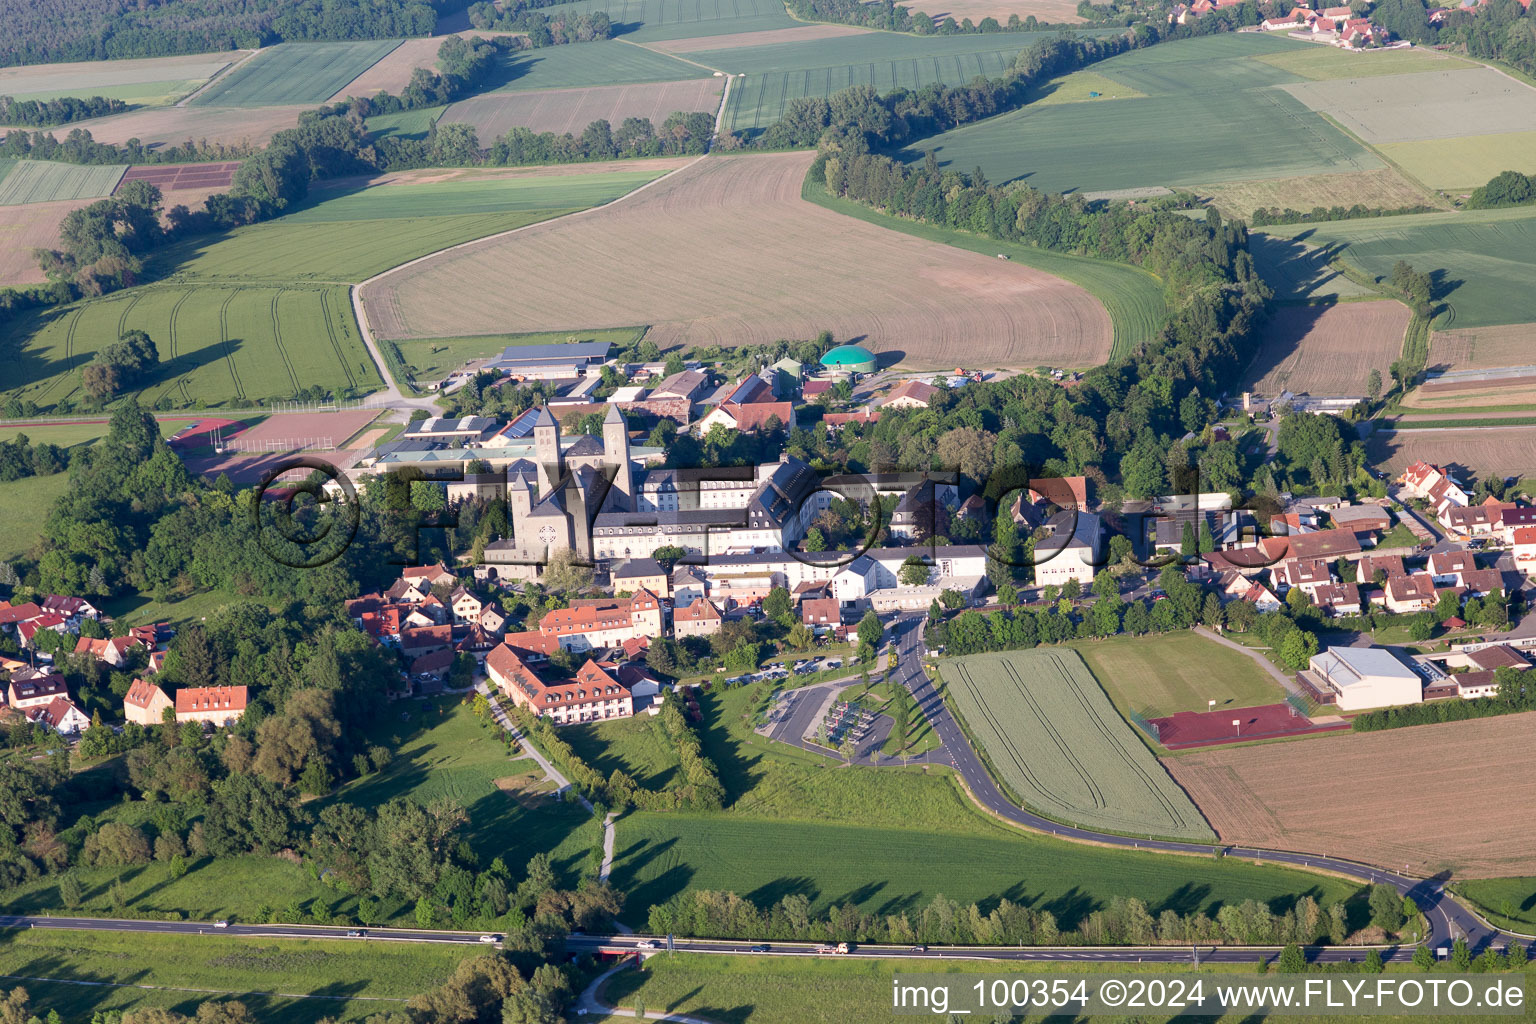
264 311
1161 675
295 73
1211 113
1482 260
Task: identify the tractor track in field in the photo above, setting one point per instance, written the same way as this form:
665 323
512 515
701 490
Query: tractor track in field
277 337
229 349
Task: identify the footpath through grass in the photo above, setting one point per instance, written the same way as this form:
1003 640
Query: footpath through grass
889 839
349 979
1134 298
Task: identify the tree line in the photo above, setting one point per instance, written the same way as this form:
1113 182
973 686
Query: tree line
1515 694
890 17
1118 920
1264 217
62 110
1508 188
78 147
88 30
541 29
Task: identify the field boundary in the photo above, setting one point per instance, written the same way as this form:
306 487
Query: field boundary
226 69
359 308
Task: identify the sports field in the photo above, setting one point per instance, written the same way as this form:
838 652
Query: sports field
295 73
1173 672
117 79
609 62
571 110
892 870
49 181
1482 260
656 20
1418 796
1059 744
759 274
219 344
1327 350
1210 114
1467 100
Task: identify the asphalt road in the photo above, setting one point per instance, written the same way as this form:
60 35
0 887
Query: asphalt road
1447 918
248 931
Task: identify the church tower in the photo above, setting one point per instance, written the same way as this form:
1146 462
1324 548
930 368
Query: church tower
546 451
621 495
520 502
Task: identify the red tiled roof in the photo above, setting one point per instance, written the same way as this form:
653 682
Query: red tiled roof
18 613
141 693
191 699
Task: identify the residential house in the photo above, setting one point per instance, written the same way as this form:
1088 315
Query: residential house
114 650
430 575
1071 552
1435 486
1337 598
1481 582
404 591
1369 565
1447 566
11 615
72 608
1329 544
27 631
145 703
218 705
1484 520
61 715
418 640
1410 593
593 695
1515 518
466 607
1061 491
492 619
434 667
698 618
1307 573
33 688
749 408
532 646
821 614
1234 586
1523 540
687 586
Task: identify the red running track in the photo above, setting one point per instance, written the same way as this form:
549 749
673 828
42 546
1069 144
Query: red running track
1213 728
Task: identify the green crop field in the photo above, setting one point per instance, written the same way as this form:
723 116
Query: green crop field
778 73
295 73
263 311
603 63
138 93
44 181
1161 675
231 345
1329 63
434 358
1060 745
891 870
1464 162
1482 260
659 20
1132 296
117 971
1210 114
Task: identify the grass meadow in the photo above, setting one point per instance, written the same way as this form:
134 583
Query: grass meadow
795 822
263 311
295 73
1507 902
24 506
1209 114
1162 675
346 979
1298 271
46 181
1133 297
407 124
1481 261
637 746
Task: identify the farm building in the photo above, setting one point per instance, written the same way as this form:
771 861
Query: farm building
550 362
1366 677
850 359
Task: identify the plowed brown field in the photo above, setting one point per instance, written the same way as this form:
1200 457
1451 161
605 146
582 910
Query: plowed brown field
1507 451
1424 797
28 227
160 126
1478 347
1328 350
726 252
393 72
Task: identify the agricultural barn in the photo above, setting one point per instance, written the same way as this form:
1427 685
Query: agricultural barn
550 362
1366 677
849 359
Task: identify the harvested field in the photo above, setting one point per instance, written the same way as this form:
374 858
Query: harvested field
1327 350
1478 347
392 73
161 126
1418 796
1465 162
1383 188
1472 100
1058 743
292 431
749 263
180 177
47 181
89 78
1506 451
571 110
802 34
295 73
24 228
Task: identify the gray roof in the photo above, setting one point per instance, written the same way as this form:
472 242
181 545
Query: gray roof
545 418
637 567
613 416
583 351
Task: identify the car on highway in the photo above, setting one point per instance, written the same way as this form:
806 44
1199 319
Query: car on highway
490 938
221 924
645 944
919 949
356 933
760 948
826 949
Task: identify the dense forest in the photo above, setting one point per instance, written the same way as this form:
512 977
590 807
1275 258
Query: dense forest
45 31
43 113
